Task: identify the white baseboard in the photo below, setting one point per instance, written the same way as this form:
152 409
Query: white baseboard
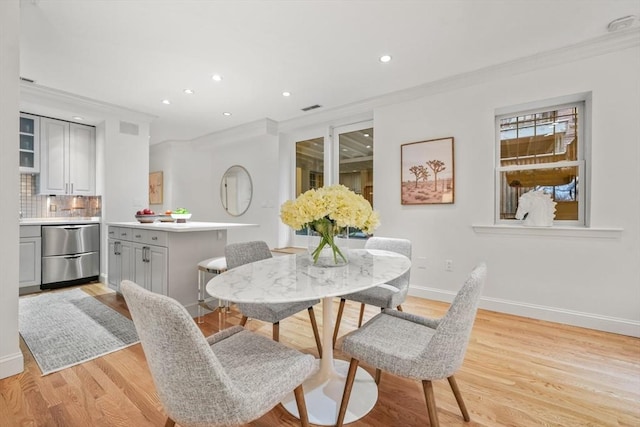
11 365
552 314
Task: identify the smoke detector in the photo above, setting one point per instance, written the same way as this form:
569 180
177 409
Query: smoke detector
621 23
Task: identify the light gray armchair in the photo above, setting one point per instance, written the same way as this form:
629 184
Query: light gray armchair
238 254
417 347
232 377
389 295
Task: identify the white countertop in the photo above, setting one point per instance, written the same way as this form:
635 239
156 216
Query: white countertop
182 227
60 221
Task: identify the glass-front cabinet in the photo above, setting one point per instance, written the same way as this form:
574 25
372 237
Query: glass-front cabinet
29 143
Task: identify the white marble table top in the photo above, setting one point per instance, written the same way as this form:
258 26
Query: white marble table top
294 278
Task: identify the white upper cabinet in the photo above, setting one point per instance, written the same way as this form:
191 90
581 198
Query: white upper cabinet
29 143
68 158
82 159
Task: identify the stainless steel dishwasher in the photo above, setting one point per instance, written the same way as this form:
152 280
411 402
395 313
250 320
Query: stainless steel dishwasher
70 254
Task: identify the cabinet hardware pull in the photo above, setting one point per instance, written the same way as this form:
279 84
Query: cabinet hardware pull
138 236
154 238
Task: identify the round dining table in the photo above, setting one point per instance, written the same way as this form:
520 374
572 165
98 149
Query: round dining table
293 278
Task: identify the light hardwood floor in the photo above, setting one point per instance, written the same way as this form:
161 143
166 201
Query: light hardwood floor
517 372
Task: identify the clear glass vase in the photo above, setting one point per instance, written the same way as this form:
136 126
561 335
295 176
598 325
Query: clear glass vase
329 249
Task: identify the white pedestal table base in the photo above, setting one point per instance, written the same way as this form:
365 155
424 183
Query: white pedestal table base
323 391
323 396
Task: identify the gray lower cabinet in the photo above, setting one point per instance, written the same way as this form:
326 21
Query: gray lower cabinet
119 263
149 267
163 261
139 261
30 255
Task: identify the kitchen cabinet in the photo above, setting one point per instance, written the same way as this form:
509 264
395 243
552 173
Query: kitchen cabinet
30 256
119 257
163 257
149 267
137 255
29 143
67 158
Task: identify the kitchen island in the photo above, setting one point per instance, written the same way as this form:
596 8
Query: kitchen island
163 256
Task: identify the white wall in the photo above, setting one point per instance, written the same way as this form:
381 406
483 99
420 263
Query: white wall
587 281
124 162
587 277
11 360
193 171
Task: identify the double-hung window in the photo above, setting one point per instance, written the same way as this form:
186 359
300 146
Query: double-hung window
542 149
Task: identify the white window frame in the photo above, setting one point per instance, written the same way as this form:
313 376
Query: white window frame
583 104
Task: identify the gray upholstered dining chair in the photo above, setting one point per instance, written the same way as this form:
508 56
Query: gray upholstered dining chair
416 347
238 254
229 378
389 295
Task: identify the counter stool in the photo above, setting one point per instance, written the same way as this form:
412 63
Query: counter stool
215 266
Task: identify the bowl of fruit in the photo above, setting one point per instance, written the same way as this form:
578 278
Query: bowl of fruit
181 215
146 216
166 217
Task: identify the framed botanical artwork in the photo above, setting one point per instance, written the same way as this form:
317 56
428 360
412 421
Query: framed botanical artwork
155 188
427 172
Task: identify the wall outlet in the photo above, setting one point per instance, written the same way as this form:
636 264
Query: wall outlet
448 265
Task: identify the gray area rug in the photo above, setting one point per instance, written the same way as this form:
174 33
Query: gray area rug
67 328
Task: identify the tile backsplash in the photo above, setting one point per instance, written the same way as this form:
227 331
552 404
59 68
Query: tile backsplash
33 205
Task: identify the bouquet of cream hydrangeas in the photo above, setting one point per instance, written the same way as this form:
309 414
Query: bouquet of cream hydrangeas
328 210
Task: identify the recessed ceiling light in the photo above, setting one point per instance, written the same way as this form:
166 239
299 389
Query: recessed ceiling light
366 134
344 149
285 93
77 118
368 146
216 78
226 113
189 91
166 101
385 58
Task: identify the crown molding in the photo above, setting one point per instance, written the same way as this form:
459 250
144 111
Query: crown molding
263 127
606 44
34 95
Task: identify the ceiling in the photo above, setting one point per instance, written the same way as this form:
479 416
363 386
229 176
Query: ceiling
136 53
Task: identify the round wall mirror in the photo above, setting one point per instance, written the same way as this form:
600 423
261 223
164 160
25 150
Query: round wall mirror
236 190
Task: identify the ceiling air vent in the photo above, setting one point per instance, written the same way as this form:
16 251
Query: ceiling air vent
24 79
128 128
311 107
